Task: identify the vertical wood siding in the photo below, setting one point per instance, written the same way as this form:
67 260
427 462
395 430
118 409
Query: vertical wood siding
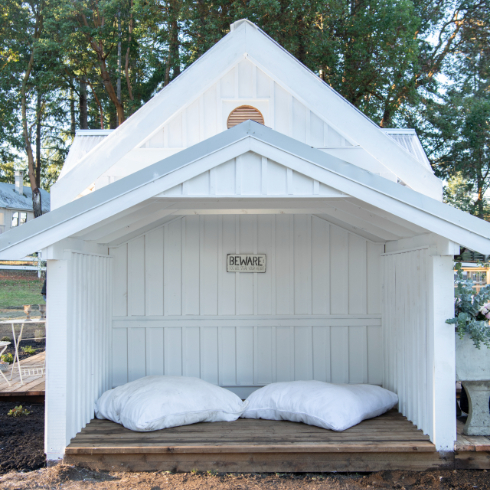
245 84
89 366
315 313
408 348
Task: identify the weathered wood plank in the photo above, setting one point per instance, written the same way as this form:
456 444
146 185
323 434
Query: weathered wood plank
260 462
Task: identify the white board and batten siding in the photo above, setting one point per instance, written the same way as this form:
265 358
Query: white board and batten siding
315 313
78 353
418 345
207 115
244 84
252 175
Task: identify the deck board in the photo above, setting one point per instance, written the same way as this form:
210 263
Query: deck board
33 385
386 442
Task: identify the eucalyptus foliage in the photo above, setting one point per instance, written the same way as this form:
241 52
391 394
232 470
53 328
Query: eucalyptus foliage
468 317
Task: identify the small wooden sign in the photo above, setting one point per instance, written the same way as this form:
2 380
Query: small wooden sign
245 263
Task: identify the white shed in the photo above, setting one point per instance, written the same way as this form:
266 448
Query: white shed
359 252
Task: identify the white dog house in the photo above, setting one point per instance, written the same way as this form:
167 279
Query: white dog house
358 249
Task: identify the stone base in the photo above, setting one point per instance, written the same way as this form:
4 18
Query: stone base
478 422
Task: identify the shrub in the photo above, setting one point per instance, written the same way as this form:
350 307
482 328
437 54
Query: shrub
471 310
6 339
28 349
18 412
8 358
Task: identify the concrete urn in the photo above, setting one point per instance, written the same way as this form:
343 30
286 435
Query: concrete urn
473 370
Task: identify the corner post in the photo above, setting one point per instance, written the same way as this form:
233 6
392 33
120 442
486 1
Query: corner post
56 360
442 349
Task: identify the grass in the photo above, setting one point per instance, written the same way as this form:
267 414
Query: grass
15 292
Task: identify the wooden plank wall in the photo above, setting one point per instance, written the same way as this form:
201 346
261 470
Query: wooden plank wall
315 313
252 175
408 348
245 84
88 337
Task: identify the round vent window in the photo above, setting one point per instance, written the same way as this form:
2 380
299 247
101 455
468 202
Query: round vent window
243 113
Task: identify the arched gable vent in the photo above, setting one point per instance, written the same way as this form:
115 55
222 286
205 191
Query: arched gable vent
244 113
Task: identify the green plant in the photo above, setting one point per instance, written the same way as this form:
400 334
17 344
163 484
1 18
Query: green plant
18 412
194 471
8 358
471 310
28 349
212 472
6 339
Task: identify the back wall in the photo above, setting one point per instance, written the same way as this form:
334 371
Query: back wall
314 314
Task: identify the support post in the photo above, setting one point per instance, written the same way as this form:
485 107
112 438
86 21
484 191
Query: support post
56 360
442 349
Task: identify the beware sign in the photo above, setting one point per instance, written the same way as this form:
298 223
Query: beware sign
245 263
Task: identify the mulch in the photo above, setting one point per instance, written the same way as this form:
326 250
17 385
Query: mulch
21 438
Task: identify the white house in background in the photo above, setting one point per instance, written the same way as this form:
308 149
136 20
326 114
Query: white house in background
16 203
359 248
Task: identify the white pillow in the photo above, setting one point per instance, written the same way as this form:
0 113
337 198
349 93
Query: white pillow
325 405
160 402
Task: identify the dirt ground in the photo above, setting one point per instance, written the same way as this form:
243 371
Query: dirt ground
21 438
70 477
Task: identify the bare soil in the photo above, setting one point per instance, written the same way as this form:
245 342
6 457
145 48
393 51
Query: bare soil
71 477
21 439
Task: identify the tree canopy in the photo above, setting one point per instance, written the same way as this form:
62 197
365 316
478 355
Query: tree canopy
69 64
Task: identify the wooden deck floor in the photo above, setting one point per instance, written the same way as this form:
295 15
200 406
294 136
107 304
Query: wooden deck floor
386 442
471 452
33 387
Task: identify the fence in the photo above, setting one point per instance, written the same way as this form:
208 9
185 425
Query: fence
26 264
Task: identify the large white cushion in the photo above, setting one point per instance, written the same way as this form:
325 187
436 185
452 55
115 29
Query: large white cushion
326 405
160 402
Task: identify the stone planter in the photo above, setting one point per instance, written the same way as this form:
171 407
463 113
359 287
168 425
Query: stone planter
473 370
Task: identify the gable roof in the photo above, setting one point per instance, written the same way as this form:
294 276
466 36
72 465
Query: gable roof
246 40
11 199
373 194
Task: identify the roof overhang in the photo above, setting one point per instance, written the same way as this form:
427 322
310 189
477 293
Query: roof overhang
373 207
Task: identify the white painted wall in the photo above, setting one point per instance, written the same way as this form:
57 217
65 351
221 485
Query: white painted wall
418 295
315 313
78 344
252 175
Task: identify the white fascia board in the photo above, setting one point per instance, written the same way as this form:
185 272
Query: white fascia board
246 39
107 202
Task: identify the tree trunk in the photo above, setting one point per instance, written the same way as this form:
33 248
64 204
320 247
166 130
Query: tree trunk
106 79
174 55
38 138
72 112
126 66
36 194
83 104
119 61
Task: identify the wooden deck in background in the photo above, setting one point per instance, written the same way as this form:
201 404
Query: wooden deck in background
471 452
386 442
33 388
